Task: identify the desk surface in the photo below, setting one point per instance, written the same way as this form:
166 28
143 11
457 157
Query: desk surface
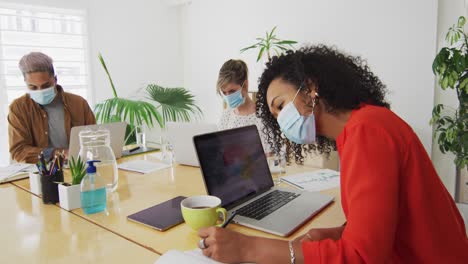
32 232
139 191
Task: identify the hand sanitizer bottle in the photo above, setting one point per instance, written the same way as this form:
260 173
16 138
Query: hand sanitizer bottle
93 190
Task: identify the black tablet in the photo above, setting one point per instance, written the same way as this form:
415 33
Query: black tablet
161 216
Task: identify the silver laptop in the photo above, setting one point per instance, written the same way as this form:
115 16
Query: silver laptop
117 137
235 169
180 135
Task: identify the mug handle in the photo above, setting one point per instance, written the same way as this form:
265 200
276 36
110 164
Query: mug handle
224 213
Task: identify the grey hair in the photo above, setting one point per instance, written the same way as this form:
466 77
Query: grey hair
36 62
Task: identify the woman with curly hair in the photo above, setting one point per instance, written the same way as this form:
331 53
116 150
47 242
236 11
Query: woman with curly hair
396 207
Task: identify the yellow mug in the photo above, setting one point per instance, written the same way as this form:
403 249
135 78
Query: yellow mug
202 211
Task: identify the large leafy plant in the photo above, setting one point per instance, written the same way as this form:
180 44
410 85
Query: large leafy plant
451 69
173 104
270 43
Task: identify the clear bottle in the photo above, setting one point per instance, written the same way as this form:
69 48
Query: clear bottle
95 145
93 190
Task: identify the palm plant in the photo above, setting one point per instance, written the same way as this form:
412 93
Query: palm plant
176 104
269 43
77 169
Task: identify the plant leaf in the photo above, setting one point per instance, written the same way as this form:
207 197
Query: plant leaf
177 104
260 53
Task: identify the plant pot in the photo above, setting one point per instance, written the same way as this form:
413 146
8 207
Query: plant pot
69 196
35 183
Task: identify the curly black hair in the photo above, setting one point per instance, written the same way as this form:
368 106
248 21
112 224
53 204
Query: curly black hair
343 82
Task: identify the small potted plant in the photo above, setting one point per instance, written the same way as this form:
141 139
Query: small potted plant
69 194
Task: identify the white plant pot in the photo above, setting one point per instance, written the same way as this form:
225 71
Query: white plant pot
35 183
69 196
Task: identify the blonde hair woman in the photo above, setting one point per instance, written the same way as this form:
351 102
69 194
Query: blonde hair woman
233 86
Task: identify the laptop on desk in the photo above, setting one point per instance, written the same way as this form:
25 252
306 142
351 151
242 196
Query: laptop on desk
180 135
235 169
117 137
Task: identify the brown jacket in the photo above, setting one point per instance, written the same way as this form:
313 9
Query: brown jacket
28 124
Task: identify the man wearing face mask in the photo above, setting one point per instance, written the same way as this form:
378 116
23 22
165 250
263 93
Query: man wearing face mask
41 120
233 86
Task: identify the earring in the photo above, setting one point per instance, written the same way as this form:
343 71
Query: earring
315 101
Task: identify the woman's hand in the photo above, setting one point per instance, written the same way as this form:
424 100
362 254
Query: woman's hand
231 247
226 246
317 234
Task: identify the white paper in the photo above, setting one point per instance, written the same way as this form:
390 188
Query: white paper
314 181
15 171
178 257
143 166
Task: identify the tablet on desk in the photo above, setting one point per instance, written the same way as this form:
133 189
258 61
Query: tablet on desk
161 216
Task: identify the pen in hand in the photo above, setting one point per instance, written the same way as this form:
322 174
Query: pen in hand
134 149
229 219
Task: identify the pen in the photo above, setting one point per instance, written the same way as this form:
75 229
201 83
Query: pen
229 219
134 149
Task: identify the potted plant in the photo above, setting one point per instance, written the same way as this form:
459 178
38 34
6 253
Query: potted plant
69 194
451 125
270 43
174 104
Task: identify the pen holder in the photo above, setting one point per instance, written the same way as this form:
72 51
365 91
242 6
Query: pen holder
49 186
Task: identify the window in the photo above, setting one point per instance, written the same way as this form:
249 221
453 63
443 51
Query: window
59 33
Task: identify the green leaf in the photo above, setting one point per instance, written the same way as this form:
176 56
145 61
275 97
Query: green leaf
260 53
177 104
461 21
249 47
271 33
101 59
284 42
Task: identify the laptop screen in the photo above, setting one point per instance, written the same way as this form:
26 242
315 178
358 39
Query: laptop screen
233 163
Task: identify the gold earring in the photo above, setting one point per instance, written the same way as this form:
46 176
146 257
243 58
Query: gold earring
315 101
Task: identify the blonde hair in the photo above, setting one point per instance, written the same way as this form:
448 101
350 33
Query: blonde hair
232 71
36 62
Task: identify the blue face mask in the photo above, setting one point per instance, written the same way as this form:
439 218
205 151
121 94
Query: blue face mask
297 128
235 99
44 96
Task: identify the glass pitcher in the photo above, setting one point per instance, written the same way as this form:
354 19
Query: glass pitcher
95 145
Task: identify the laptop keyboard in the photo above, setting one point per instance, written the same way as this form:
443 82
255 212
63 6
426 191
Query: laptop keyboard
266 205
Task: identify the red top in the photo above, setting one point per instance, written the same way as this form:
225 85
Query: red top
397 209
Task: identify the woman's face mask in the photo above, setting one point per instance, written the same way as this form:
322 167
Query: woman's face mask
43 96
297 128
235 99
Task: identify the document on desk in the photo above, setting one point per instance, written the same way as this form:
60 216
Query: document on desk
15 172
193 257
314 181
143 166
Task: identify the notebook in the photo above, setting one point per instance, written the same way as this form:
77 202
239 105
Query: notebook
176 257
143 166
15 172
314 181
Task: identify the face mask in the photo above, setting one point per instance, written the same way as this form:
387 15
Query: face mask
44 96
234 100
297 128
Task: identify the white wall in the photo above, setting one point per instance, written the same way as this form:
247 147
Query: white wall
397 37
448 13
140 42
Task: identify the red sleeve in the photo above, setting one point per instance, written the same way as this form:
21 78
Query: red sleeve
369 179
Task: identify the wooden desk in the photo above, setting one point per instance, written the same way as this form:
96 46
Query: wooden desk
139 191
31 232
